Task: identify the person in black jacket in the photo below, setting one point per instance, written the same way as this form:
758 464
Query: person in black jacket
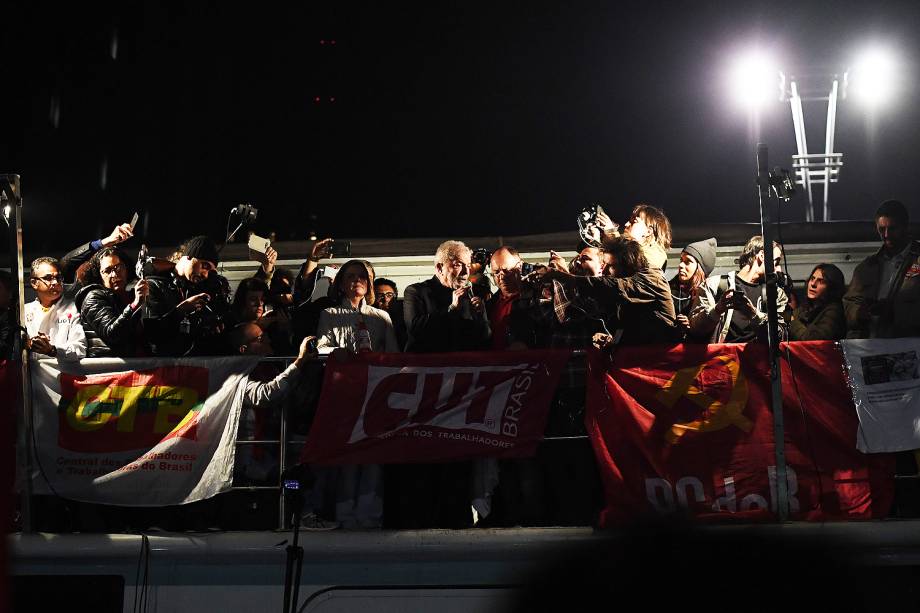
440 316
440 313
188 303
821 315
109 311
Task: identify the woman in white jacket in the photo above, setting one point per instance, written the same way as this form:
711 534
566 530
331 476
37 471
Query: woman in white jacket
353 327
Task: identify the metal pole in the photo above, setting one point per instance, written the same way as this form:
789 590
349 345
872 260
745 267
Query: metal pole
10 190
829 146
798 122
776 384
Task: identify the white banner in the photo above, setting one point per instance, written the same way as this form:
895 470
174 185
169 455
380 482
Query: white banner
884 377
137 432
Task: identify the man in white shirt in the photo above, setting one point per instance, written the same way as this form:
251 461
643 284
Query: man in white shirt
52 322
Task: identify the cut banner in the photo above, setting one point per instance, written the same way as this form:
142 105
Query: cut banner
402 408
688 429
138 432
884 375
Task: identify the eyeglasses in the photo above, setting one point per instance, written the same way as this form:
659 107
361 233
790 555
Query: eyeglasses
48 279
387 295
117 268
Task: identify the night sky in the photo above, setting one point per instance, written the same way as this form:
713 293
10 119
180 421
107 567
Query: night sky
442 119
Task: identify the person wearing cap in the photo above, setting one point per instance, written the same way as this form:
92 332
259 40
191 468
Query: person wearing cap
696 263
820 316
187 303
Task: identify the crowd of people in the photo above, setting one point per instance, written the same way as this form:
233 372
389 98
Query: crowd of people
96 301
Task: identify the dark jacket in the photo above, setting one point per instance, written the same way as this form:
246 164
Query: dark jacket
901 317
112 327
822 322
525 323
171 333
432 328
8 330
641 305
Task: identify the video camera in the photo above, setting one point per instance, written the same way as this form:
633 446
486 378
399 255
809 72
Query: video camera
588 228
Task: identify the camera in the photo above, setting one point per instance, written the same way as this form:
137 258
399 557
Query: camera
527 268
588 229
481 256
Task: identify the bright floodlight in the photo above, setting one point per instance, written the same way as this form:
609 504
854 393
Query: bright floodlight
754 79
873 78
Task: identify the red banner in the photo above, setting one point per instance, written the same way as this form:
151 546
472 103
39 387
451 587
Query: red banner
401 408
689 430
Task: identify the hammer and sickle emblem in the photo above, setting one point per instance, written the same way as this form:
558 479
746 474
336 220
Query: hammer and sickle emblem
717 414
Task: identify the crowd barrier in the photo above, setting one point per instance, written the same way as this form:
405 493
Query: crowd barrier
682 429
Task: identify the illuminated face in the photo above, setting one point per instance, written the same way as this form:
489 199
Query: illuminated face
257 342
687 267
253 305
506 270
817 285
892 232
608 261
355 281
588 262
759 266
637 229
47 283
385 295
455 273
193 269
114 273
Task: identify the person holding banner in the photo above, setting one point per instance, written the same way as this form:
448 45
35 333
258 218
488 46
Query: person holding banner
52 322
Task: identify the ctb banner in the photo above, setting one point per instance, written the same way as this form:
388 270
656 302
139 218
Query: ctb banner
139 432
689 430
400 408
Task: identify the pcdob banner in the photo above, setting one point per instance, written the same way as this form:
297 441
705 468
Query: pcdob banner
689 430
138 432
433 407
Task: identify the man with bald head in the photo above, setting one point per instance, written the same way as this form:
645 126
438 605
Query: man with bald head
510 310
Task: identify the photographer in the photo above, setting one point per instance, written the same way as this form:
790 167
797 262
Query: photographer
636 295
881 301
187 303
732 311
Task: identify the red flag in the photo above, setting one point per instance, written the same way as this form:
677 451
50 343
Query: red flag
396 408
689 429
